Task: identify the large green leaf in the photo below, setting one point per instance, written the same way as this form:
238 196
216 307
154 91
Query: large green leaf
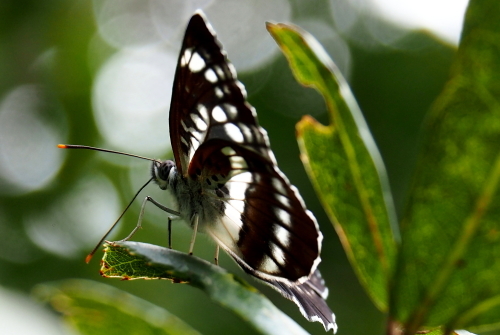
344 164
93 308
449 265
134 260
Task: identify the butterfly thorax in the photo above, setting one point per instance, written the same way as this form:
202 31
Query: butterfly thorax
192 197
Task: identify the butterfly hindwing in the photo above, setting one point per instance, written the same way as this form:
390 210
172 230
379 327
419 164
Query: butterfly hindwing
264 223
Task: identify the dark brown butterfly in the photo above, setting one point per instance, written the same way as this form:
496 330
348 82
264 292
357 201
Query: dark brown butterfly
227 182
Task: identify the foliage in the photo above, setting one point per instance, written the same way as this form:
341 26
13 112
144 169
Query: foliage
448 258
94 308
442 270
448 262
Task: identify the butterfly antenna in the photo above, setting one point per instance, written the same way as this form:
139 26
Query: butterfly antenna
74 146
89 256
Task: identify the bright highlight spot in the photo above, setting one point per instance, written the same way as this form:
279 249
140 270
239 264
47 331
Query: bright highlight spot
131 100
443 17
28 157
15 308
77 219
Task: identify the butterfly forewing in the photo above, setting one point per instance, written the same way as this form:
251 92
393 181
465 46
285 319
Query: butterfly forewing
205 90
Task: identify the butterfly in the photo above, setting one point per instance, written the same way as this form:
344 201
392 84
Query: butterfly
226 181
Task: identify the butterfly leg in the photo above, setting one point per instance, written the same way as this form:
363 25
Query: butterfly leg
195 230
216 257
141 214
170 219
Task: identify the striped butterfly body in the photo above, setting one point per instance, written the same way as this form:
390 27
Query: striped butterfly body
226 180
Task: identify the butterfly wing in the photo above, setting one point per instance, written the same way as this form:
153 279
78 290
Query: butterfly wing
263 223
203 80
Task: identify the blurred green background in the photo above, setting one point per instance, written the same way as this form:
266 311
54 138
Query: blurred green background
83 72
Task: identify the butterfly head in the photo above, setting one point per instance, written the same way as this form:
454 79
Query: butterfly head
160 171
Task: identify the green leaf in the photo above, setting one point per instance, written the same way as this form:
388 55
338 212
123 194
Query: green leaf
133 260
449 264
93 308
344 164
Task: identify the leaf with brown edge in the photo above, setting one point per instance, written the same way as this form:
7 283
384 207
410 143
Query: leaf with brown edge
134 260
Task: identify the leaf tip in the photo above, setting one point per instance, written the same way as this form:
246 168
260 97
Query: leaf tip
308 122
270 26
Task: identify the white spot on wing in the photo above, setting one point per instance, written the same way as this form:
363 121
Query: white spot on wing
237 190
235 219
185 57
257 178
282 199
245 177
231 111
220 72
283 216
183 140
200 124
234 132
198 135
278 254
228 151
218 114
194 146
246 132
226 89
203 112
238 162
278 185
282 235
196 63
268 265
218 92
211 76
186 129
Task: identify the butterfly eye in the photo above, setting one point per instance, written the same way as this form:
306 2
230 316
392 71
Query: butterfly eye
160 172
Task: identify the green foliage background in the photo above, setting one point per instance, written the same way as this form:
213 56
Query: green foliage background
394 86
